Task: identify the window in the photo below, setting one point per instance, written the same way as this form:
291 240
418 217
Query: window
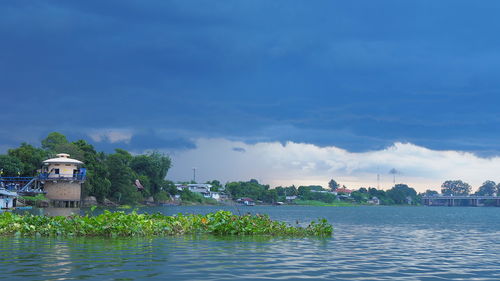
56 171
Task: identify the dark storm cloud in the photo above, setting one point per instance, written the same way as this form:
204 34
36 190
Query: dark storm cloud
359 74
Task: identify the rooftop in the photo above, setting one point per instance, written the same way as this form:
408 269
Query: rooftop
62 158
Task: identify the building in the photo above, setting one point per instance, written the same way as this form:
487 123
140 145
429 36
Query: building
246 201
344 191
7 198
202 188
374 201
62 178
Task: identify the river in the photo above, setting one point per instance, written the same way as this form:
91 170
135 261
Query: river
369 243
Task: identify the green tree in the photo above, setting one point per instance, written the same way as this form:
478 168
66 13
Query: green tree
30 156
400 194
97 183
333 185
359 196
10 166
429 192
154 166
488 188
52 140
122 178
455 187
216 185
69 148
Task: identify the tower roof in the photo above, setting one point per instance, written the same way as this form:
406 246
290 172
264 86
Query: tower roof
62 158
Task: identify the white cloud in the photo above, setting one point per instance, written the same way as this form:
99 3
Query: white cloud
276 164
111 135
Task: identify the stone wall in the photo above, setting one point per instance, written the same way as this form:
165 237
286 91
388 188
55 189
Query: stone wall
64 191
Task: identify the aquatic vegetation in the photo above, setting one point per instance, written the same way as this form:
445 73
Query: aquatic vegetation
112 224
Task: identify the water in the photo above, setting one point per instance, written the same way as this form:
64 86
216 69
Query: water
369 243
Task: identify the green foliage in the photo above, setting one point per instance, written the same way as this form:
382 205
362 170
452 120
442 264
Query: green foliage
401 193
10 166
488 188
216 185
69 148
317 193
52 140
286 191
429 192
161 196
251 189
109 176
122 177
333 185
30 157
455 187
189 197
154 166
115 224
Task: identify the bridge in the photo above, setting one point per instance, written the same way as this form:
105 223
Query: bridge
461 200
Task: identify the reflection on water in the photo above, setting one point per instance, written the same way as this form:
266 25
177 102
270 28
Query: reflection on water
65 212
369 244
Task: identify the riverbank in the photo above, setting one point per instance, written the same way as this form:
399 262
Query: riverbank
319 203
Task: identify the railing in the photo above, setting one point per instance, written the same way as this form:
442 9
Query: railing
47 176
16 179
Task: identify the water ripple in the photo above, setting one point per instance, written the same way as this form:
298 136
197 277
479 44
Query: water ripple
369 244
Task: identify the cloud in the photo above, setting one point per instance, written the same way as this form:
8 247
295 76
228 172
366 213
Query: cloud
239 149
290 163
111 135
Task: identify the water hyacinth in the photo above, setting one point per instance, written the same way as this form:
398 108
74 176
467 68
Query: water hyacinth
112 224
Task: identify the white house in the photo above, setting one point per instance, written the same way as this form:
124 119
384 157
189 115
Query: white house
202 188
7 199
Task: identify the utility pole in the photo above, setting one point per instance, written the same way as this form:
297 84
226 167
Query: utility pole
194 174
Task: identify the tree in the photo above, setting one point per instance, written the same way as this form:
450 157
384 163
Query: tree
488 188
429 192
122 177
30 157
455 187
400 194
10 166
154 166
216 185
71 149
333 185
52 140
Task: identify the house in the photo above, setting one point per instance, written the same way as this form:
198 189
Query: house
201 188
290 198
344 191
246 201
7 199
195 187
374 201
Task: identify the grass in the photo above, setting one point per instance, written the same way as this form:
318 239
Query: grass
119 224
38 197
320 203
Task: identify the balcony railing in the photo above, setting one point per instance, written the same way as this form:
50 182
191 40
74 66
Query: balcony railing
68 177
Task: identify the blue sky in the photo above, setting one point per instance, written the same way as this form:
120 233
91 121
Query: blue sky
356 75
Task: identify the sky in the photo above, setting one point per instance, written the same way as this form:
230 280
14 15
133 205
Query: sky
285 91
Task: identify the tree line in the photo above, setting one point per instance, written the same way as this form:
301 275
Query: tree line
109 175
